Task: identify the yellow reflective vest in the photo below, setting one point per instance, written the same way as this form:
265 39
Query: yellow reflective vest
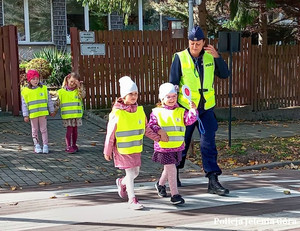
70 104
172 122
190 77
130 130
36 101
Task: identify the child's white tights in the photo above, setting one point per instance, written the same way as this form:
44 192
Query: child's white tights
128 180
169 173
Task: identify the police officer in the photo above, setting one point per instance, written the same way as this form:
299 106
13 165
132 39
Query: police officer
196 67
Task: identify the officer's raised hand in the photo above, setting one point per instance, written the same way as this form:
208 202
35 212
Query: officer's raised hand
211 50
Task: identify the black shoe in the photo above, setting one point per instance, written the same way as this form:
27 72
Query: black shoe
178 180
214 186
177 200
161 190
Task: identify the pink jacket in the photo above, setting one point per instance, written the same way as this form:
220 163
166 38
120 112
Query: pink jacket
110 148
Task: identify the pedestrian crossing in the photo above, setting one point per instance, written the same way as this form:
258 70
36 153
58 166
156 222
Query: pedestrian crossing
114 212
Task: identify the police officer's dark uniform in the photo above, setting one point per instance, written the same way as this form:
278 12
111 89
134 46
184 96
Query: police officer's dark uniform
189 70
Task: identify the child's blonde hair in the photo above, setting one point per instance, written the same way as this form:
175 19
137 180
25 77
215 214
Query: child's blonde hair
72 74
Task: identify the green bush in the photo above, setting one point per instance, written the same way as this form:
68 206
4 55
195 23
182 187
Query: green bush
60 63
41 65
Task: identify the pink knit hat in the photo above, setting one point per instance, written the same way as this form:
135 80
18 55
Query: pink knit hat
31 74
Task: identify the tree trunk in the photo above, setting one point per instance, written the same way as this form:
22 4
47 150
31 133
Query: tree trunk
202 16
263 21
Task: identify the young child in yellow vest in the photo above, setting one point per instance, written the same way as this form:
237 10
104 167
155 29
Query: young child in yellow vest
124 139
36 104
169 121
70 103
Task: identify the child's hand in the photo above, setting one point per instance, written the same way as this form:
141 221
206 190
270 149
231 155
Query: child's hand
163 135
192 105
107 157
53 114
77 83
26 119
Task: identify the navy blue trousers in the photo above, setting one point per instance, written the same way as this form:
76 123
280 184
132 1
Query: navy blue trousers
208 148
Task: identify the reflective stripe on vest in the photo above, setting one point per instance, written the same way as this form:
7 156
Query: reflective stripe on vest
39 109
36 101
70 104
173 129
190 77
129 135
130 144
172 122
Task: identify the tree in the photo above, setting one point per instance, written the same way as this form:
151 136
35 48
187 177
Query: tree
124 7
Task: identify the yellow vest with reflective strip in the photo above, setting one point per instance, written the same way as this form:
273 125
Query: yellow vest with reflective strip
172 122
36 101
70 104
130 130
190 77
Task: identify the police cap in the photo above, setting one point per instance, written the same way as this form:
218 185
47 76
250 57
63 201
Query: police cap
196 34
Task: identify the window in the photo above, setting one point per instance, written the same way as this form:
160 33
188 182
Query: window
32 18
14 15
75 15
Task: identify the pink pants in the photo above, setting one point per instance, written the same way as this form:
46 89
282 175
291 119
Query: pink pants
35 124
72 133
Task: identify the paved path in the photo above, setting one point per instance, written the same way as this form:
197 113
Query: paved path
257 202
21 167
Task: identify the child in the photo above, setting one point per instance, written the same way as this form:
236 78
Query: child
70 101
124 139
36 104
169 121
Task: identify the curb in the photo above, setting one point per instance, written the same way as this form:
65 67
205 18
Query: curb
102 123
268 165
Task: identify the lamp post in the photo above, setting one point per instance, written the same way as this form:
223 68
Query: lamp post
191 12
191 17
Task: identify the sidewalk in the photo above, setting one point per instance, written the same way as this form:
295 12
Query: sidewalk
20 167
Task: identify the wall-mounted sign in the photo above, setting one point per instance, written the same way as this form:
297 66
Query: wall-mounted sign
92 49
87 37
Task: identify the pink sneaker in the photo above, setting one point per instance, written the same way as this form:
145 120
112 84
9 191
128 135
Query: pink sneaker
75 147
121 188
135 204
70 150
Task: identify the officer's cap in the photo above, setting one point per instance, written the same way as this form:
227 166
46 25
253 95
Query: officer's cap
196 34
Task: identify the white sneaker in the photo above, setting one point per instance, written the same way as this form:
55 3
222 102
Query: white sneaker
45 149
135 204
37 148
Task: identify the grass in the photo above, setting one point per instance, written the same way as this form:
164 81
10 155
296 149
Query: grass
252 152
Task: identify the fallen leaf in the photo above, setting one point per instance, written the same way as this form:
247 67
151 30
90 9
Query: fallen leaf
93 143
42 183
13 188
287 192
53 197
14 203
87 181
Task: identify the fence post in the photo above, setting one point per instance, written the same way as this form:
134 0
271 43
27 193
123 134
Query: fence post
74 48
3 103
14 65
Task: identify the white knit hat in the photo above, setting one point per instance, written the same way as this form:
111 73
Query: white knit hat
166 88
127 86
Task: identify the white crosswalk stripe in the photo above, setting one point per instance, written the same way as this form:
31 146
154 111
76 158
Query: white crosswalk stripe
116 211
